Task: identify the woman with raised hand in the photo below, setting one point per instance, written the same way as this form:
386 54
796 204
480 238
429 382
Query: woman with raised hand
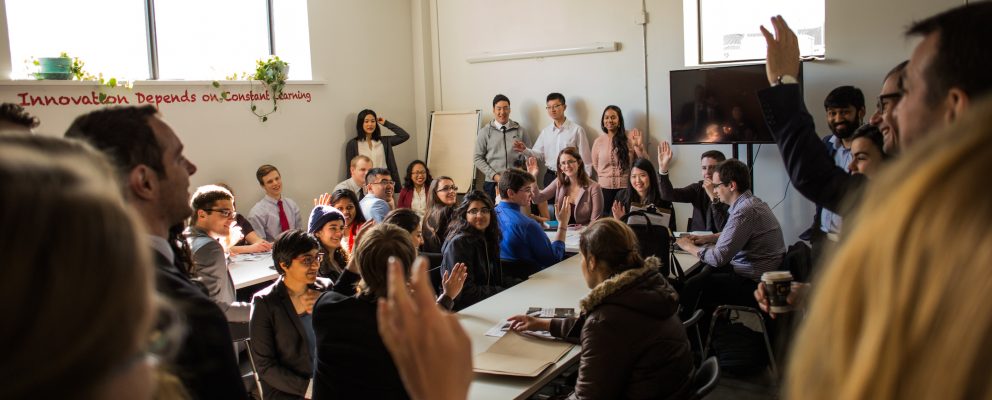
631 315
440 204
345 201
613 153
282 333
473 239
414 192
369 142
585 199
642 191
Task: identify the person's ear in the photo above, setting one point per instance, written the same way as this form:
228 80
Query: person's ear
142 183
956 103
284 267
861 114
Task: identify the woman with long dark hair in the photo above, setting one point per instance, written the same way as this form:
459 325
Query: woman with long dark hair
440 203
327 224
369 142
346 202
642 191
585 198
613 154
414 192
473 239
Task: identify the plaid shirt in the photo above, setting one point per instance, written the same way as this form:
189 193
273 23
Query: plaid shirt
751 242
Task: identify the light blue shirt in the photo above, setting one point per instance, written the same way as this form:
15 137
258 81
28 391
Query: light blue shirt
830 221
264 217
373 207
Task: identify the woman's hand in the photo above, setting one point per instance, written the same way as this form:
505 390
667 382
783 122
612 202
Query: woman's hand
322 200
453 281
424 341
637 141
382 121
529 323
664 156
532 167
617 209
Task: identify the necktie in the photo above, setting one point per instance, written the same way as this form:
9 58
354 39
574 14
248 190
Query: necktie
283 221
505 152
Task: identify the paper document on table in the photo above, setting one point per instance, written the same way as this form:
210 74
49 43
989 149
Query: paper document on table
551 312
517 355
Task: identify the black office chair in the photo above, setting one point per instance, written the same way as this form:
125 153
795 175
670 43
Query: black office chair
705 378
727 310
692 323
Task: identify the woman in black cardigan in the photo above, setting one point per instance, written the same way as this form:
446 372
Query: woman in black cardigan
369 135
474 239
283 343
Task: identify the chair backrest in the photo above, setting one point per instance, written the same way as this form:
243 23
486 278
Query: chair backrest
693 319
705 378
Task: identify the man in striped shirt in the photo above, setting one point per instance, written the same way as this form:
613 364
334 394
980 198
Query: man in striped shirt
750 244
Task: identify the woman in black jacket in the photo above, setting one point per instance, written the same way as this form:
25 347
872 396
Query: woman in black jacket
282 338
643 191
368 141
473 239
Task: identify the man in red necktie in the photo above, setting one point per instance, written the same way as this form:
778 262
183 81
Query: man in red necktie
273 214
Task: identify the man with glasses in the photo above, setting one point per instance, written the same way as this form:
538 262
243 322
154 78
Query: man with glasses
213 215
494 145
524 242
561 133
750 244
378 198
273 214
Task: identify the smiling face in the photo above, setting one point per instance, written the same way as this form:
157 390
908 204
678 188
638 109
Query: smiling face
502 112
330 235
418 174
884 117
381 186
842 121
447 192
368 124
214 221
708 167
303 268
347 208
568 165
272 183
639 181
478 215
611 120
556 110
915 115
866 158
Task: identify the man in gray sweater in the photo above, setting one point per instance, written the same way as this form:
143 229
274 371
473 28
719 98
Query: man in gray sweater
494 144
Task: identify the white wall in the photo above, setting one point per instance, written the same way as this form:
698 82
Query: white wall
864 40
361 52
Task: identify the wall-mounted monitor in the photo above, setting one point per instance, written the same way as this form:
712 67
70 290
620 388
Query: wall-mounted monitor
719 105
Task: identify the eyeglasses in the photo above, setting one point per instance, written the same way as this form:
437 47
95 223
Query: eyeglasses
718 184
448 188
311 260
418 173
477 211
384 183
554 107
224 212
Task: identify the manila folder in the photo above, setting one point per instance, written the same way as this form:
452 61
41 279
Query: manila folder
517 355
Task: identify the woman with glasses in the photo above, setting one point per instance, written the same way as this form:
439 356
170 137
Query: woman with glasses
283 344
473 239
414 192
584 195
642 192
613 153
440 204
327 224
369 142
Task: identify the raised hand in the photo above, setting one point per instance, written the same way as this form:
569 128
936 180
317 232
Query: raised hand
564 213
617 209
424 341
532 166
783 51
637 141
452 282
519 146
664 156
382 121
322 200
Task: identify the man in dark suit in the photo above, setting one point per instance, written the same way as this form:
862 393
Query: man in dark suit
155 180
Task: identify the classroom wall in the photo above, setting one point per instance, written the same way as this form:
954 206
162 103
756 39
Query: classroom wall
864 40
362 58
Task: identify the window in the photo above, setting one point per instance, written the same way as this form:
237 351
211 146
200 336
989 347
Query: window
728 29
195 40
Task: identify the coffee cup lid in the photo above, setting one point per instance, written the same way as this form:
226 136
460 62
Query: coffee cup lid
776 275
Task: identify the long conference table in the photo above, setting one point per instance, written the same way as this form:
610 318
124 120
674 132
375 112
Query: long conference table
560 285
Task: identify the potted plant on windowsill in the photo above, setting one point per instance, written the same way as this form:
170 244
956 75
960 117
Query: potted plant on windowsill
55 68
272 73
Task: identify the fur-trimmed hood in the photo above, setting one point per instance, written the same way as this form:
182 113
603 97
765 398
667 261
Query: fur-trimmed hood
643 290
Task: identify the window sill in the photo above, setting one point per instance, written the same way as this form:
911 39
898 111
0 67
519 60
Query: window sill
34 82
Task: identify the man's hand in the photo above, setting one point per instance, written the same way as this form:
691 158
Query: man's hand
710 189
664 156
519 146
783 51
563 214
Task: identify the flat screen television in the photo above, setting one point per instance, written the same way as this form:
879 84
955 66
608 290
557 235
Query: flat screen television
719 105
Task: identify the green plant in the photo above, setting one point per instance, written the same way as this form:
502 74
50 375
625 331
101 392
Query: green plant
80 74
272 73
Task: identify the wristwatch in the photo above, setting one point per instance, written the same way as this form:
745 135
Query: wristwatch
785 79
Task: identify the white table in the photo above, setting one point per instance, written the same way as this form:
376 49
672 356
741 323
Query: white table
250 269
571 238
560 285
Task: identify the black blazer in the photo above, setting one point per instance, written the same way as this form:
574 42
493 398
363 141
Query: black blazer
808 162
485 275
205 362
283 358
351 150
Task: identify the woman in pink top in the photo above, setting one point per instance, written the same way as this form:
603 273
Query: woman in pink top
613 153
584 195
